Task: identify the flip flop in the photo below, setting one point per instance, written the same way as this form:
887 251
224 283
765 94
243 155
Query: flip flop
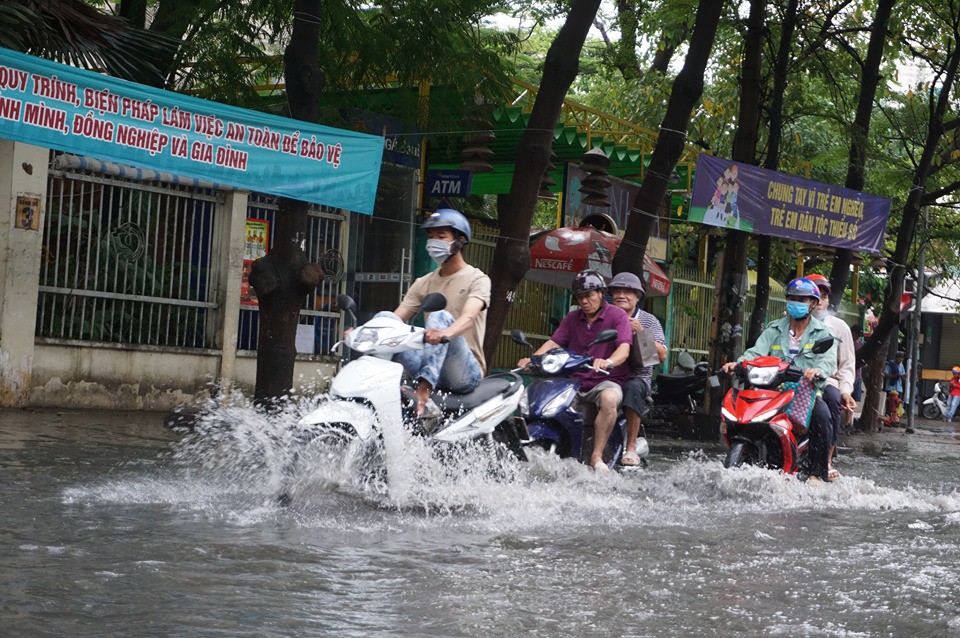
630 459
833 474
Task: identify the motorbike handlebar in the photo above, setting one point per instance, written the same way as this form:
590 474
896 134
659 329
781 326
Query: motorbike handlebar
589 366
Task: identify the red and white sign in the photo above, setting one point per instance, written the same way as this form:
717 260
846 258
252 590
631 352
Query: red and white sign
558 255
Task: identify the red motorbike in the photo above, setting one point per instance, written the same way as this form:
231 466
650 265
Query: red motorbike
756 424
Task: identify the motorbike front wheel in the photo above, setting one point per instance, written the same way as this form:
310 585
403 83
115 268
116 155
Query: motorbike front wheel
506 434
742 453
930 411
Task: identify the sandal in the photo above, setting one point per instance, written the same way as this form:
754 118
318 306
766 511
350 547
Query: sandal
600 467
833 475
630 459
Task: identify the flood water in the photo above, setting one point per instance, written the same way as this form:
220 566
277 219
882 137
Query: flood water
113 525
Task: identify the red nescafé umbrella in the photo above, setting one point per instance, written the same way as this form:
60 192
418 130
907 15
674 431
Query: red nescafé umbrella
556 256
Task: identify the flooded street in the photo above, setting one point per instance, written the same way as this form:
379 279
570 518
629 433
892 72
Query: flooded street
116 526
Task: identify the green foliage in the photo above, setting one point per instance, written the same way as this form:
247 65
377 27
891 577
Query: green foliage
232 51
73 32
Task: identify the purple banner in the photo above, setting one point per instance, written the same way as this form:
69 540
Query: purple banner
763 202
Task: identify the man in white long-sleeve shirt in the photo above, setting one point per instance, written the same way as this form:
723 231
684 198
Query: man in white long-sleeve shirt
838 393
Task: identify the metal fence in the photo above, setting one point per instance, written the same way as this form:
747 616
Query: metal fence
319 325
128 263
131 263
692 312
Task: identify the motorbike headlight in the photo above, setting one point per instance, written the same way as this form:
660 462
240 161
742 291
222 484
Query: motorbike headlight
552 363
765 416
557 403
762 375
727 415
524 403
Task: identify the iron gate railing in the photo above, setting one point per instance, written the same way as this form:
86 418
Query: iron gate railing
128 263
323 245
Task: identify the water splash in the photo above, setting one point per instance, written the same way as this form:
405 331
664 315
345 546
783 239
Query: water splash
238 459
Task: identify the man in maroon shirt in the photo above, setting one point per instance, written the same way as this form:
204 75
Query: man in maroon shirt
601 384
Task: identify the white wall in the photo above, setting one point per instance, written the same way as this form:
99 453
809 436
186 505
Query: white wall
115 378
23 174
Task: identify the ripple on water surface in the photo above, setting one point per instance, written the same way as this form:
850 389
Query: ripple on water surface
398 538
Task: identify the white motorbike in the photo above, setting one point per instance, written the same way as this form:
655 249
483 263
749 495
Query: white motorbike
935 407
368 394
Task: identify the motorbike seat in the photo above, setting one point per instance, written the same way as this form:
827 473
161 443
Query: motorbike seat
485 390
672 383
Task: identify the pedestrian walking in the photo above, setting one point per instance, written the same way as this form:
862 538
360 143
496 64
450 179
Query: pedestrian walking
894 374
954 401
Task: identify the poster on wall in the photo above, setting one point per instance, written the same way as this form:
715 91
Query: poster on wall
756 200
57 106
256 244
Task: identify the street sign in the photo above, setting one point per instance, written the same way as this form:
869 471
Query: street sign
449 183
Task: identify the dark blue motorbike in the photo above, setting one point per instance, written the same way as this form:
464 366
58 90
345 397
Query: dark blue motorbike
549 408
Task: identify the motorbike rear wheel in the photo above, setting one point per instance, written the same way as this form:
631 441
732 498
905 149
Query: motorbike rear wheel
930 411
743 453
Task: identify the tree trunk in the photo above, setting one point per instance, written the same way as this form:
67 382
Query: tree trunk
856 171
284 277
728 312
686 92
511 258
940 102
873 392
781 66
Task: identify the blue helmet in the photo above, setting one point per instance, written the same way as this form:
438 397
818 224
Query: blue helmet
802 287
449 218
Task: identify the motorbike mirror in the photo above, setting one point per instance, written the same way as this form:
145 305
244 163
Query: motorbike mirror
605 336
686 361
433 302
518 337
348 305
822 345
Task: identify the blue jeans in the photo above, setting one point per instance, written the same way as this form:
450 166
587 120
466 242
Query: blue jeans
445 366
952 404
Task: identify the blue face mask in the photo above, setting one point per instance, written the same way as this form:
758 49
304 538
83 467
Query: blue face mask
798 309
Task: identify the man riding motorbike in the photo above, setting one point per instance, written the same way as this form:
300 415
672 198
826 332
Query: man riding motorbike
838 393
452 357
627 293
600 385
793 337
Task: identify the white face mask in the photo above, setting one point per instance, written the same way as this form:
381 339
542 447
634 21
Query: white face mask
439 250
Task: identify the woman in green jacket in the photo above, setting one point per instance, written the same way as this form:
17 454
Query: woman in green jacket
792 337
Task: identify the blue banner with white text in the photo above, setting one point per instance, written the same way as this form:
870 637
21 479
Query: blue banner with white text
57 106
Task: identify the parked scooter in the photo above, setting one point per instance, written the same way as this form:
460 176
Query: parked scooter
677 395
935 407
369 391
548 408
754 422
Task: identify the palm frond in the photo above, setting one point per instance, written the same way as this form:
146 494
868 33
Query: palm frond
73 32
